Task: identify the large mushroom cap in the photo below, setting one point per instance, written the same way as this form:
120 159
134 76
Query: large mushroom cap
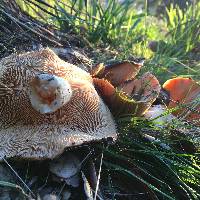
47 105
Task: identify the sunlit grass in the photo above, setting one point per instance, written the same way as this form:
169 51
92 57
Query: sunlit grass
123 28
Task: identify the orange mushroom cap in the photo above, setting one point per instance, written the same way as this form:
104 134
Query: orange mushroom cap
184 92
117 73
123 94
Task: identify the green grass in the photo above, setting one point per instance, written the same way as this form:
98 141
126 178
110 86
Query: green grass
135 165
148 171
124 29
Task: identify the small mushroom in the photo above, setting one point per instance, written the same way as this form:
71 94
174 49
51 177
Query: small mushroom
123 94
184 95
47 105
66 168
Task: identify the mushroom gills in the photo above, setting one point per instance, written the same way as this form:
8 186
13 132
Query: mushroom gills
31 125
48 93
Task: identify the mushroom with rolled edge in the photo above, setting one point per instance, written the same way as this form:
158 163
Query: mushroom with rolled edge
47 105
124 94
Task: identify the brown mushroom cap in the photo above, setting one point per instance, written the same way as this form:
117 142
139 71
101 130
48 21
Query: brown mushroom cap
123 94
27 133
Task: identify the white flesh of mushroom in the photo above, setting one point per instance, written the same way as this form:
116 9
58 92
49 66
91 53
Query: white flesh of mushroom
49 92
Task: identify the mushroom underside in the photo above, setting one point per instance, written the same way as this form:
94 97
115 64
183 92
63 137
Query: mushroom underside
27 133
50 134
85 118
46 141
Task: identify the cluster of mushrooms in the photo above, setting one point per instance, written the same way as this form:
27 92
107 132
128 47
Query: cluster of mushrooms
47 104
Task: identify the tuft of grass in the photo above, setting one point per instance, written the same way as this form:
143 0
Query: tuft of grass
124 28
136 168
174 55
100 22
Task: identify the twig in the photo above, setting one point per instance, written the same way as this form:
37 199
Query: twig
44 10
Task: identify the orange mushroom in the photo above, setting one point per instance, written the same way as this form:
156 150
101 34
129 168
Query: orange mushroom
185 93
123 94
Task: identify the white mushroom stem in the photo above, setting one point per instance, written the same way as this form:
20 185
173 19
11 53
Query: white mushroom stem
48 93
